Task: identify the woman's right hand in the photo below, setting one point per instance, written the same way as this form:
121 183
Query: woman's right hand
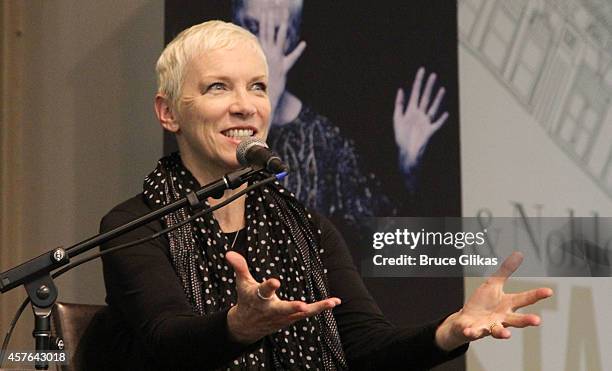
253 317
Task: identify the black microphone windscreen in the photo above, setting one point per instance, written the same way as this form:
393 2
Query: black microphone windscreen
243 148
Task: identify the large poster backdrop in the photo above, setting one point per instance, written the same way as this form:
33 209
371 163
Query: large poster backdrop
366 115
357 55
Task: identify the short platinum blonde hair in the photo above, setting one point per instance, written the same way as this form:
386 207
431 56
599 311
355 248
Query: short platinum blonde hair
192 42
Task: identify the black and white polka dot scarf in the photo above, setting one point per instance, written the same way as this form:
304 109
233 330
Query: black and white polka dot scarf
282 242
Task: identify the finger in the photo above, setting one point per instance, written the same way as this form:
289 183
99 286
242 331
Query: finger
282 28
509 266
240 266
399 104
270 26
319 306
268 288
294 55
427 93
525 298
521 320
439 122
475 333
263 28
309 310
416 88
433 110
500 332
469 333
291 309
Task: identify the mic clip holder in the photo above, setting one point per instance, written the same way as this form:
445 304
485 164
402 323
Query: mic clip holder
216 189
35 277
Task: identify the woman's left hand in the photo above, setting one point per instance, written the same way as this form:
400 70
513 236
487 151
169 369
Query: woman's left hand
489 311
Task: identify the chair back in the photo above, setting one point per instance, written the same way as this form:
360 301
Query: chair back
70 322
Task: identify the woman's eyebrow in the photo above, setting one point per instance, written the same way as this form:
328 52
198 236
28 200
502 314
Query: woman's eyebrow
227 78
216 77
260 77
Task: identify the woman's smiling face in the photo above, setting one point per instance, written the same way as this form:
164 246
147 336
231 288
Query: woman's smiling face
224 98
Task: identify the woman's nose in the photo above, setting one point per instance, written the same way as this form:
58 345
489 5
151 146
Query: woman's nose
242 104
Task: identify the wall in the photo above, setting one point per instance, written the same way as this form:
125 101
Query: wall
89 134
536 86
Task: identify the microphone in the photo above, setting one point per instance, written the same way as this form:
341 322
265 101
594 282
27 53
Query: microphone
254 152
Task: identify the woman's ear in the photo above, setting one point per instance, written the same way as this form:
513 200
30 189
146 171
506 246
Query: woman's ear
165 113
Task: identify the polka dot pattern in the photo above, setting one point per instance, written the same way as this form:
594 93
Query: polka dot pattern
282 242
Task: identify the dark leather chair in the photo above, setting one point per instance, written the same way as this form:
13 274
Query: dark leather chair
72 323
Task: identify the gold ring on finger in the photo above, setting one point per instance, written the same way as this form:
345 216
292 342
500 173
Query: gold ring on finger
492 326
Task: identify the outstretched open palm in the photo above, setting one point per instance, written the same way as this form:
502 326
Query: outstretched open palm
490 311
259 311
415 124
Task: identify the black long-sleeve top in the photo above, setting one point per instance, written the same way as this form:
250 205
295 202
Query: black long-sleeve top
151 324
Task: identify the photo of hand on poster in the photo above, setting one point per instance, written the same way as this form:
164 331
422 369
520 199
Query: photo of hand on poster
326 171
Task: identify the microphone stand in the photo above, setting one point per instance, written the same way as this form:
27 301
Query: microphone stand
35 274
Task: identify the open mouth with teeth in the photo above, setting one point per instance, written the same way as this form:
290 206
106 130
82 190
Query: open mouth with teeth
238 133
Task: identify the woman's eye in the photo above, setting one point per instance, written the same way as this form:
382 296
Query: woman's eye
216 86
260 86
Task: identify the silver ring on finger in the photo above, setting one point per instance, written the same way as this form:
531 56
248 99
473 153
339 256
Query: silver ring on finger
259 295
